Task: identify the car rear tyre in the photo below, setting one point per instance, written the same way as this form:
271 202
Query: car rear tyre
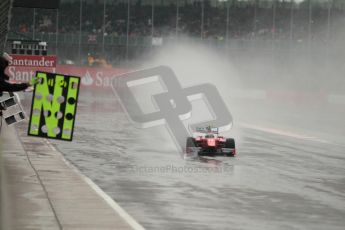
230 144
190 142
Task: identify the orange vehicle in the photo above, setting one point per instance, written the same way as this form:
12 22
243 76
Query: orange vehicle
209 143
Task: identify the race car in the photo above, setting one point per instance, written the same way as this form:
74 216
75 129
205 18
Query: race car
210 143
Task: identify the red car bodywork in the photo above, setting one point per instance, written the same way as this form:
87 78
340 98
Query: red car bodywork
212 144
209 142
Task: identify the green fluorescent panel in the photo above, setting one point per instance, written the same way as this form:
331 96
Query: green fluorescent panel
54 106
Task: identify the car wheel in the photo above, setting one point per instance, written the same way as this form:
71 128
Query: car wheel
190 142
230 144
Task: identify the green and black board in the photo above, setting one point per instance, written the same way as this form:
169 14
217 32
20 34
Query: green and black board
54 106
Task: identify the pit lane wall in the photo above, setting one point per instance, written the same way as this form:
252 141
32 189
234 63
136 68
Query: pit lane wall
99 79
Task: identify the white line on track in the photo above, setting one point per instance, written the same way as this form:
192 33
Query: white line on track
282 132
111 202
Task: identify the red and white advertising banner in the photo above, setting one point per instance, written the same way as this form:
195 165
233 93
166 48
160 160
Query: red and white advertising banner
24 74
91 77
33 61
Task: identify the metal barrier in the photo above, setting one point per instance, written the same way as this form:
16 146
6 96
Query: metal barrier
5 6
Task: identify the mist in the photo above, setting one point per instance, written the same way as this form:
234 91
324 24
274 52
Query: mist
283 83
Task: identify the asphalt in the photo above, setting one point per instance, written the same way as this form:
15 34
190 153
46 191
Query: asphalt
41 190
289 172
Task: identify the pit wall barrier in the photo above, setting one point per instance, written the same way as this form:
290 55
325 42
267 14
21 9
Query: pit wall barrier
99 79
92 77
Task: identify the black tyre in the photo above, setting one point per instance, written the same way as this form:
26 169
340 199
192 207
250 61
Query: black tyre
230 144
190 142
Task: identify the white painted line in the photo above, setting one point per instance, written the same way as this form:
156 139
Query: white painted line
282 132
111 202
50 145
336 99
129 219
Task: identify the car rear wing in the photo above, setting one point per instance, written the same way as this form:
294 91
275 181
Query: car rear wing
207 130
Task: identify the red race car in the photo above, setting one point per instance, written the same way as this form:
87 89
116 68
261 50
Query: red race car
210 143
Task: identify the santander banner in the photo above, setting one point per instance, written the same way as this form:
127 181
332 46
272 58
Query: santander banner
33 61
91 77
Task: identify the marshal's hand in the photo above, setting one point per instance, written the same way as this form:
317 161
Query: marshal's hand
34 81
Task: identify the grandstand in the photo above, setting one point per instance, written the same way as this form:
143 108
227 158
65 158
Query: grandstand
279 38
125 29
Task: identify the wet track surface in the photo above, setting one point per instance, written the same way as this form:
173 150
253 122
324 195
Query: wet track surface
278 180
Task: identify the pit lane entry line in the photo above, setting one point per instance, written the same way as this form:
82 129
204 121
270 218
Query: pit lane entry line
111 202
282 132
